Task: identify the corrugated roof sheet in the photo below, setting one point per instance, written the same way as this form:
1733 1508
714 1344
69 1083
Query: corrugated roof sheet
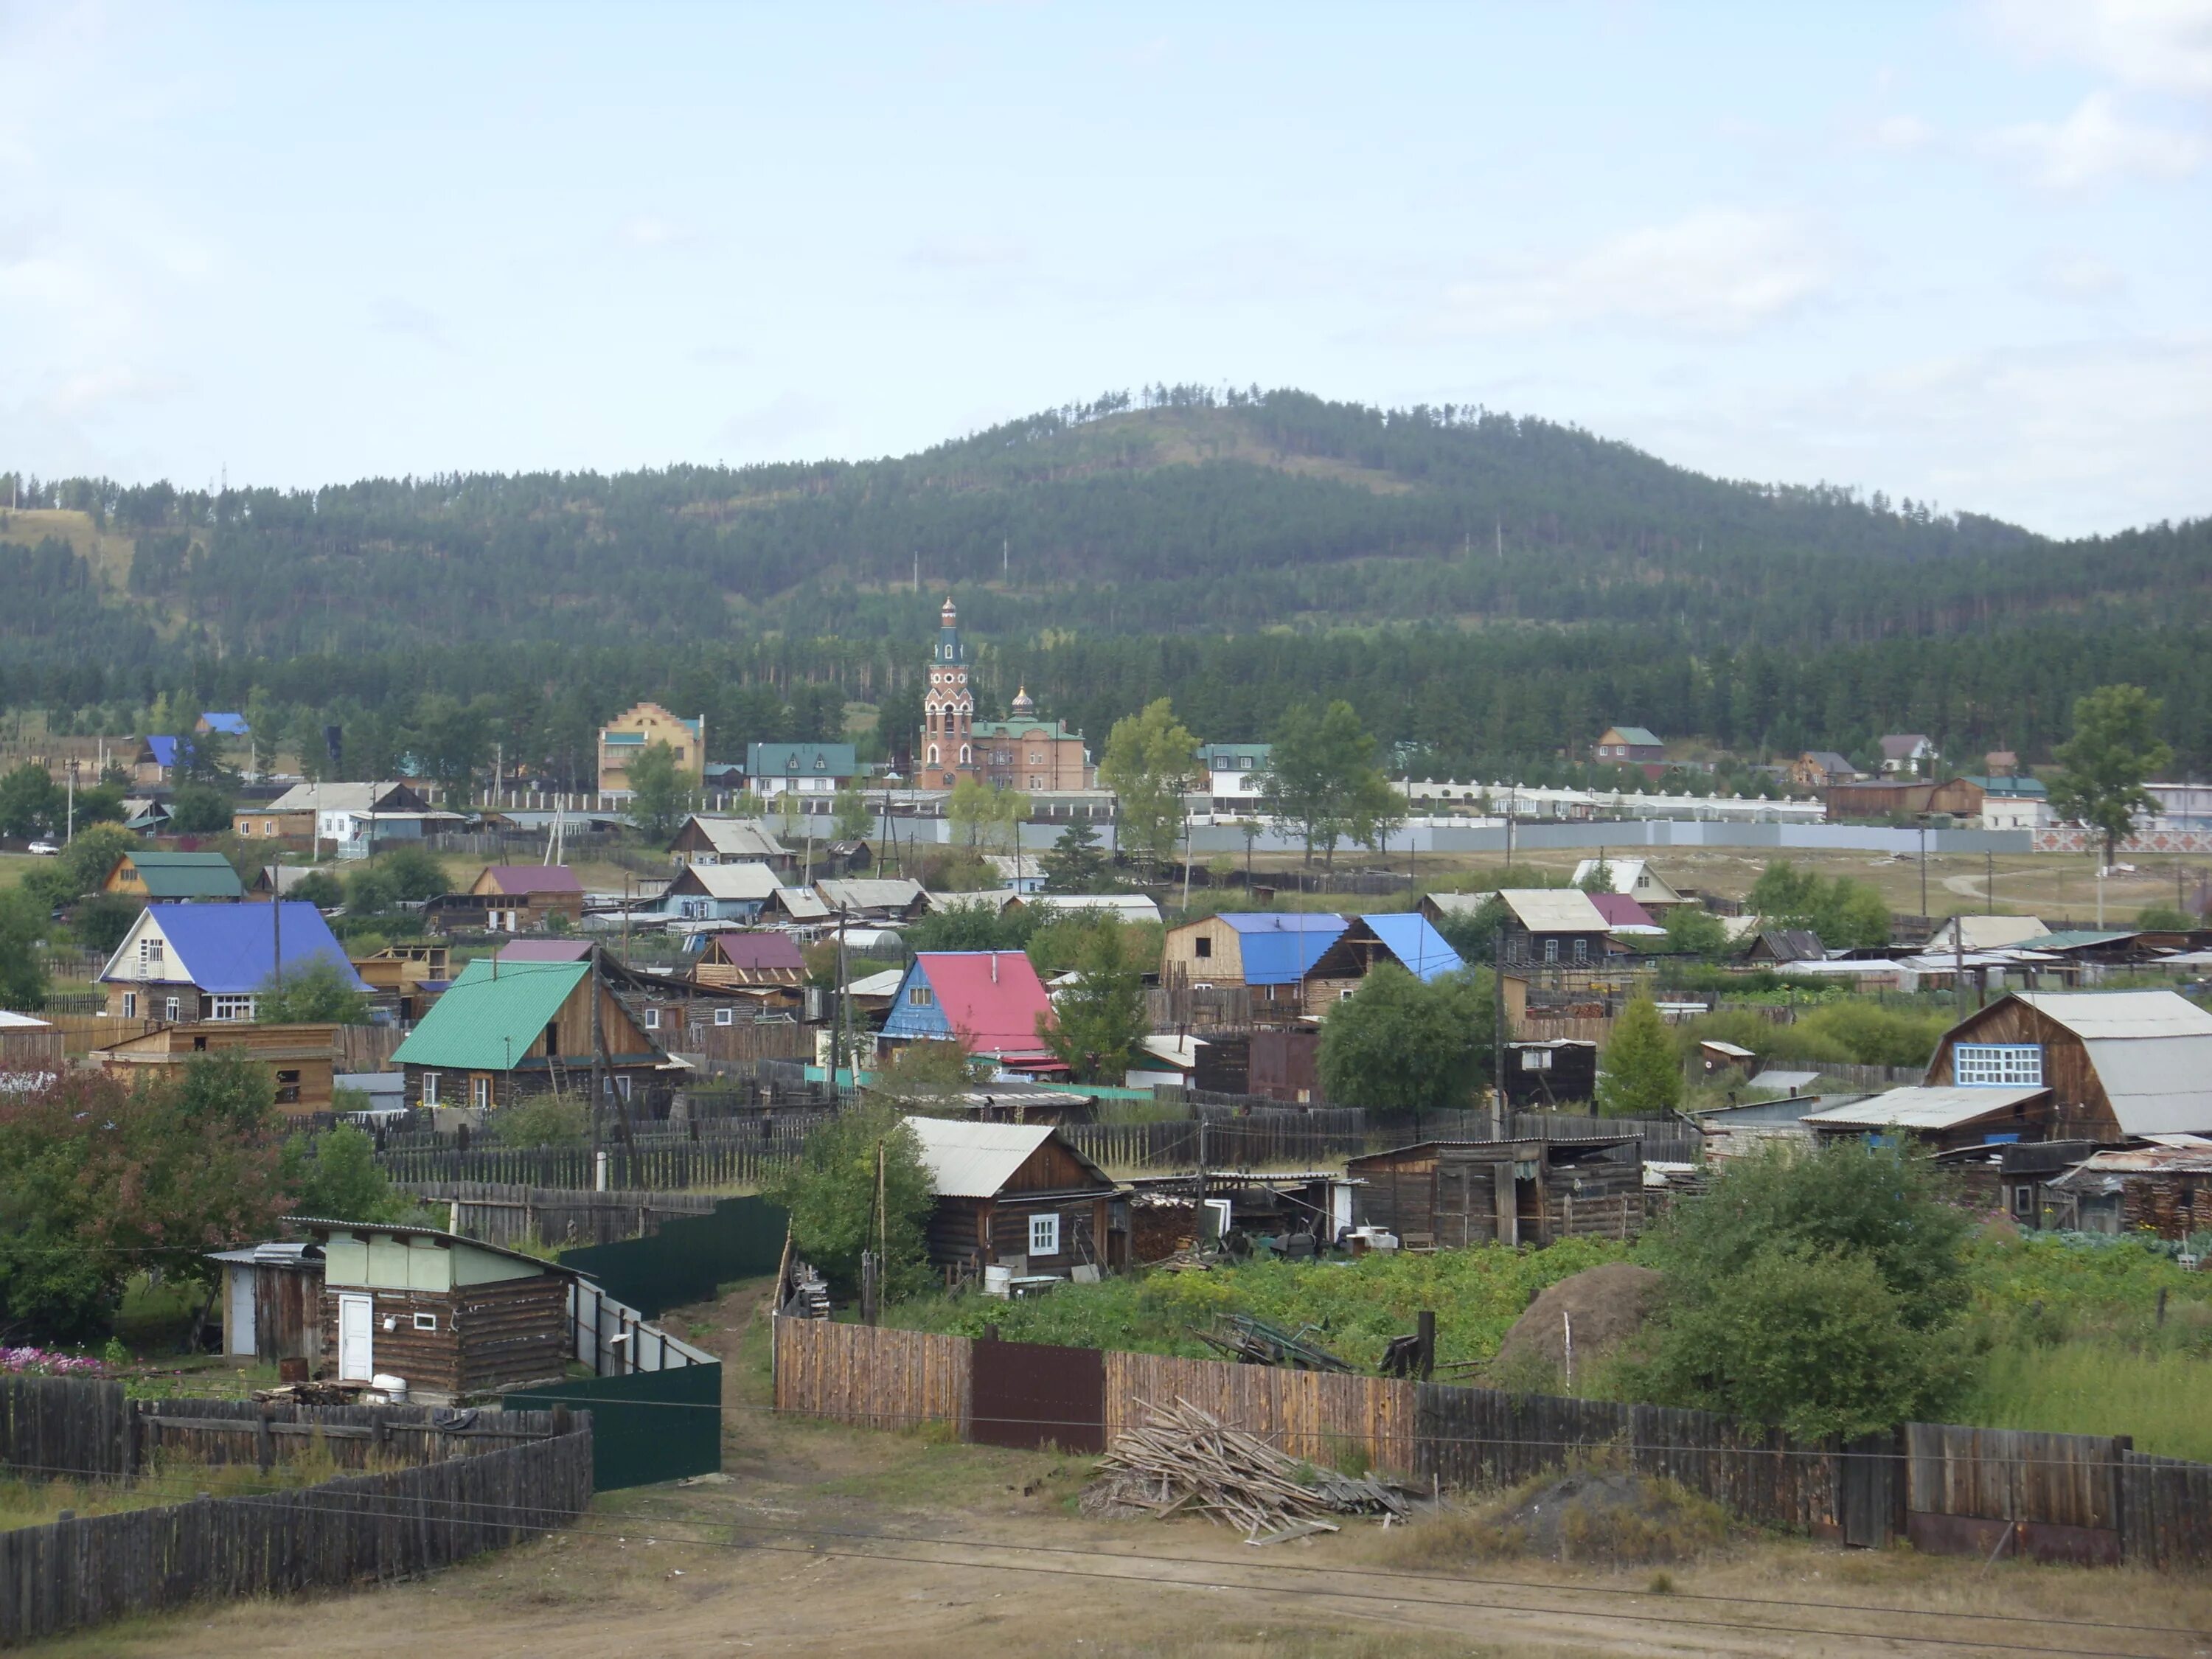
331 798
1422 950
974 1160
802 903
735 883
1126 907
868 893
1990 932
738 837
2098 1014
229 950
488 1020
186 875
992 1000
545 949
884 984
761 951
1932 1108
1639 736
1553 909
1622 912
1279 948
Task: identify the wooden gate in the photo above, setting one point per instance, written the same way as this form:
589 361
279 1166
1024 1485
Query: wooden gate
1028 1394
1869 1472
2014 1491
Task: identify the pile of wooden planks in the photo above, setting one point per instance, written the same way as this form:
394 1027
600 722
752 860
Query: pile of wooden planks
1184 1459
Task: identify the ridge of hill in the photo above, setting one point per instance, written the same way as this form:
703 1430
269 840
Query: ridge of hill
1180 510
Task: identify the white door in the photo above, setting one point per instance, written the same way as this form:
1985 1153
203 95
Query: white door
237 1329
356 1357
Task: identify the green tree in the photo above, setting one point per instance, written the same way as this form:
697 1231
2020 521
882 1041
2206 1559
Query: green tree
2114 750
1097 1023
1694 930
544 1119
29 802
1077 863
100 920
973 810
22 968
200 809
1847 914
321 993
831 1192
1323 779
851 817
1398 1045
415 873
917 1076
318 888
660 794
450 739
1475 935
335 1177
1643 1074
1598 879
1151 764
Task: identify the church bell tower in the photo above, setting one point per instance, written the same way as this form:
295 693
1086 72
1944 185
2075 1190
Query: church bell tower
948 710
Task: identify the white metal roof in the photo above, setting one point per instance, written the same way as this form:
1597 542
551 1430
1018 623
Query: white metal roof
1786 1081
1555 910
994 902
2091 1015
869 893
1990 932
802 903
22 1023
884 984
1937 1108
1126 907
329 797
1732 1050
1175 1050
974 1160
1458 904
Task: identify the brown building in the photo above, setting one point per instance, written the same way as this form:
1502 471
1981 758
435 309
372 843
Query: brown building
2116 1064
32 1050
1017 1195
449 1315
510 898
1959 797
2166 1190
301 1058
402 975
1027 753
1450 1194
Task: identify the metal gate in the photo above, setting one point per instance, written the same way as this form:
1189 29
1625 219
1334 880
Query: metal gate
1028 1394
1869 1480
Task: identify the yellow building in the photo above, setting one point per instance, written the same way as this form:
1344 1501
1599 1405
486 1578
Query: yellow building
628 735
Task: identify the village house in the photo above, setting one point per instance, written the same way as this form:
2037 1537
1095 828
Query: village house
1627 923
1448 1194
1634 878
630 734
1907 754
142 815
1122 907
226 725
813 771
710 840
1942 1117
873 901
2165 1188
1235 777
2014 802
155 765
1958 798
406 978
796 907
186 963
341 813
1629 745
454 1318
510 898
1771 946
989 1002
1403 936
675 1012
1017 1196
1270 953
300 1058
506 1029
1551 1073
174 878
1822 768
1554 928
2116 1064
715 892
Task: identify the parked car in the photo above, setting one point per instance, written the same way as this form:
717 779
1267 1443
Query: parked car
44 849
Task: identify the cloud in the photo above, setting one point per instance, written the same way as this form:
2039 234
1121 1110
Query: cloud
1719 271
2079 276
89 390
1901 132
2095 142
2163 45
965 253
389 315
650 230
721 356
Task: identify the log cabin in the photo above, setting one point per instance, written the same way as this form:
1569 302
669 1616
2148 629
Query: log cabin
1017 1195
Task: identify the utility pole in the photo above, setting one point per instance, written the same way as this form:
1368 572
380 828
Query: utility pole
1923 872
598 1064
1989 882
69 834
1497 1033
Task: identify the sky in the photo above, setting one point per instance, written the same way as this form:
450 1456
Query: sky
1954 252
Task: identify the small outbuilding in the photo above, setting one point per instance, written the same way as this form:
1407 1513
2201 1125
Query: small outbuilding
1945 1118
1450 1194
1016 1195
272 1296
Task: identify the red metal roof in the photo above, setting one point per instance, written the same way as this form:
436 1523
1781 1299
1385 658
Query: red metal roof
756 951
992 999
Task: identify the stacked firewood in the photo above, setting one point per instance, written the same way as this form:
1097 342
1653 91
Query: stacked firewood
1186 1461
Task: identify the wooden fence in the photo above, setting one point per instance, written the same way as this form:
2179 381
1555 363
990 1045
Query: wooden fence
76 1573
507 1214
1236 1144
652 1164
366 1047
1951 1490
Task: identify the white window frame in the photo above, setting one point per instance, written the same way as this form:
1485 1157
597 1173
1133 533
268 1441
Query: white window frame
1044 1234
480 1093
151 954
426 1322
130 1004
172 1009
429 1095
1535 1059
1997 1065
921 996
653 1019
726 1017
231 1009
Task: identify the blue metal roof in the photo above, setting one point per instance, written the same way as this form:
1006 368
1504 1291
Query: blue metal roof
1423 951
229 725
1279 948
229 949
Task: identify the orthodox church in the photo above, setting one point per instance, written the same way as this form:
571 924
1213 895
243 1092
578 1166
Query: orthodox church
1022 751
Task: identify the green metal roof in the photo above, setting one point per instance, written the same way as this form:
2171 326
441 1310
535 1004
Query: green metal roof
2071 939
1635 737
186 875
488 1020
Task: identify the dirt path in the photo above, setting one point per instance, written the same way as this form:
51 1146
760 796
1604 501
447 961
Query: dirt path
821 1539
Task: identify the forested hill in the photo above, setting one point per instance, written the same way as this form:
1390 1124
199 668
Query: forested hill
1180 510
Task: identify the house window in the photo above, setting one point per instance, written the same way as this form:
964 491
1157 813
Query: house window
1582 950
1202 946
1997 1065
2023 1200
241 1008
725 1016
920 997
426 1322
151 952
287 1088
1044 1234
130 1004
270 828
1551 949
622 1087
653 1019
1535 1059
480 1093
429 1088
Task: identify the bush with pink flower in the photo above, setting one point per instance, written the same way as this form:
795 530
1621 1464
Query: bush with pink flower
45 1362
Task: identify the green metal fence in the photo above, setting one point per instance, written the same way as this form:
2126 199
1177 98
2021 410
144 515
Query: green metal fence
647 1427
689 1257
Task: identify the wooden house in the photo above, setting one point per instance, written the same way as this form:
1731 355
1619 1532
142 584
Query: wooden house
1554 928
1557 1072
1016 1195
1822 768
451 1316
189 963
712 841
1771 945
1633 878
1270 953
2165 1190
1404 938
504 1031
990 1002
763 962
174 878
301 1058
407 976
1907 754
536 893
2117 1064
1941 1117
1718 1060
1450 1194
309 813
872 899
1960 797
1627 745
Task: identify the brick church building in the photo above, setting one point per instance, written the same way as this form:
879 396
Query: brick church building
1022 751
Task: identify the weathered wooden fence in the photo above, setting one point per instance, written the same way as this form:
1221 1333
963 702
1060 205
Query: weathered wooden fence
1951 1490
1236 1144
505 1213
66 1427
665 1163
366 1047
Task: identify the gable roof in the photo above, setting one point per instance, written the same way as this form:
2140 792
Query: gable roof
1622 913
736 837
800 760
1932 1107
229 725
229 950
164 751
321 1228
1792 944
1989 932
514 880
335 796
1635 737
802 903
1280 947
1829 761
871 893
1123 907
490 1016
732 882
1903 745
991 1000
1420 949
1554 909
975 1160
2151 1051
186 875
777 950
886 984
545 949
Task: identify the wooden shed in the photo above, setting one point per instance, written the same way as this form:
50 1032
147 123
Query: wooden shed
451 1316
301 1058
2118 1064
1449 1194
1017 1195
272 1299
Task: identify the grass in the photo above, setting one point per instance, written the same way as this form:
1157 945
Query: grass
170 1480
2164 1400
